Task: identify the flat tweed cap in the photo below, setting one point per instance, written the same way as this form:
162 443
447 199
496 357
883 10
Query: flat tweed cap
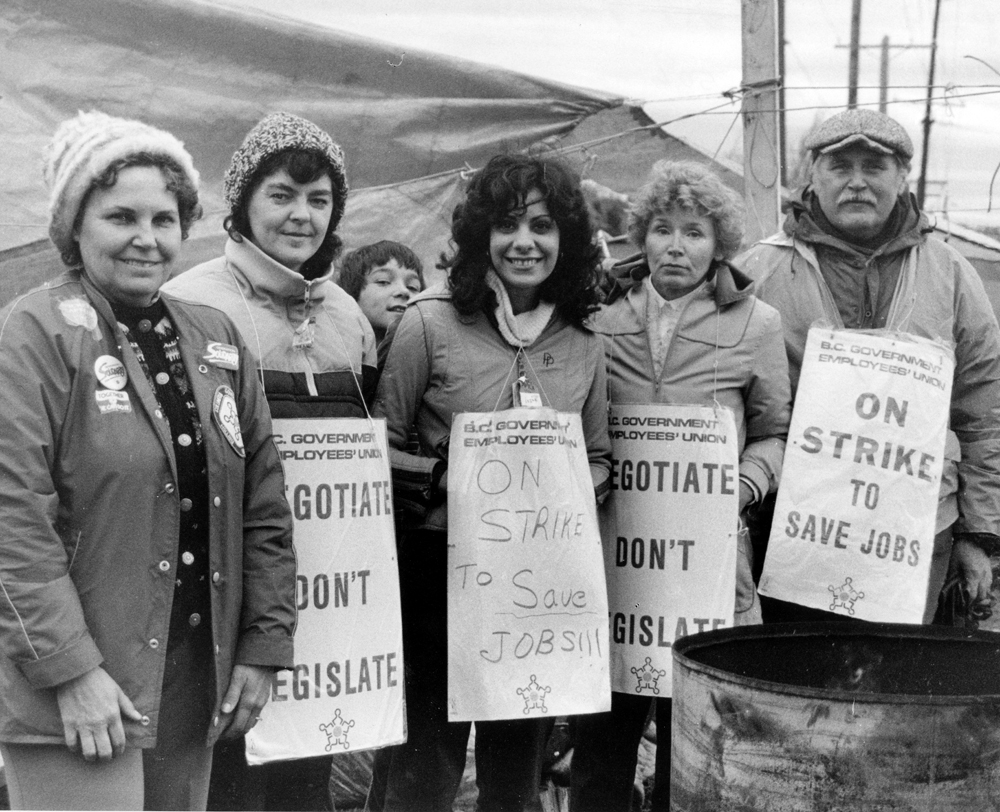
82 149
873 129
272 134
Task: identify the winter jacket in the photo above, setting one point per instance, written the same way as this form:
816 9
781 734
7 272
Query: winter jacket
443 363
90 510
315 348
724 323
938 295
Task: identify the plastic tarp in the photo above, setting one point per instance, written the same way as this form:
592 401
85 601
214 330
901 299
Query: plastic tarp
208 74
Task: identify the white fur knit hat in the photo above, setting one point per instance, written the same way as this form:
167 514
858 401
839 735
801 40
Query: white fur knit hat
83 148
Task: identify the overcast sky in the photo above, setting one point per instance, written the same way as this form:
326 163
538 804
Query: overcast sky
680 56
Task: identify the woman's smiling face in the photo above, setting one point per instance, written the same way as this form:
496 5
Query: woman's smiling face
524 249
288 219
129 236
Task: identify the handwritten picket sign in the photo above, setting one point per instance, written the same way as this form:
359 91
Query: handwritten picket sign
527 604
669 531
346 689
854 521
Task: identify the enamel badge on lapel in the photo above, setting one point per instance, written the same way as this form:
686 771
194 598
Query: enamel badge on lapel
225 356
227 418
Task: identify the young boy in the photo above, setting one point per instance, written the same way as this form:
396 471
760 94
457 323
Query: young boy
383 277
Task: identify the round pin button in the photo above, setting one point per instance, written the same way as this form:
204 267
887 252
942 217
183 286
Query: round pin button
162 378
202 368
145 325
195 619
169 487
154 643
187 557
186 505
110 372
164 566
184 440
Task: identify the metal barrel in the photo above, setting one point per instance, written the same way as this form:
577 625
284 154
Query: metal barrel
831 717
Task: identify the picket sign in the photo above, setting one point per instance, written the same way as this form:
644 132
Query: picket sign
346 689
854 521
527 605
669 531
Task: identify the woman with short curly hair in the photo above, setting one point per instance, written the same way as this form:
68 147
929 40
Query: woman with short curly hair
506 331
682 326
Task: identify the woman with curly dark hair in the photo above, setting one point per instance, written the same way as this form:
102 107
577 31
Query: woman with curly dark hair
507 331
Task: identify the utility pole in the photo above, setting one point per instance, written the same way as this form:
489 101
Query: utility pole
852 65
761 137
782 139
922 180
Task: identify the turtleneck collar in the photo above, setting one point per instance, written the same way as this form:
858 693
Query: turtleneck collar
271 277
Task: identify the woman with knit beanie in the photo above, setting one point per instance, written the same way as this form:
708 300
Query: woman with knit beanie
146 565
507 331
286 189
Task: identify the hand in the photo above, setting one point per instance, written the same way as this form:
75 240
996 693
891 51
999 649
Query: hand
248 692
91 707
974 569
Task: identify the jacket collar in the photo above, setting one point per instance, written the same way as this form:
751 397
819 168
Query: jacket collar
270 277
731 284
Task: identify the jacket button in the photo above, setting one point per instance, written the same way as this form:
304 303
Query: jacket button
186 504
145 325
216 577
195 619
154 643
162 378
216 649
164 566
202 369
144 721
169 487
217 501
184 440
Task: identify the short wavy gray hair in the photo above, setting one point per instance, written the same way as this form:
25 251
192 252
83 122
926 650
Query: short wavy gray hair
692 187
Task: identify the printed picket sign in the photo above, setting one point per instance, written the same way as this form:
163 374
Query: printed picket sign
527 604
854 521
669 529
346 689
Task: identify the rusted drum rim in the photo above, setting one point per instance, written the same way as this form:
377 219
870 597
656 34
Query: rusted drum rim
685 651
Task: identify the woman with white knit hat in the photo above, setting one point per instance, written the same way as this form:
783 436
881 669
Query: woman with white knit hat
146 565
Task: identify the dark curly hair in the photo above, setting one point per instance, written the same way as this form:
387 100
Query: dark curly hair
494 191
188 207
303 166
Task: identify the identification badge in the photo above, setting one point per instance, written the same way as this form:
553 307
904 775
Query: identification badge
110 372
525 396
111 401
227 418
222 355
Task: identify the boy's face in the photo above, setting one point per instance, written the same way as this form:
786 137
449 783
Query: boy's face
387 290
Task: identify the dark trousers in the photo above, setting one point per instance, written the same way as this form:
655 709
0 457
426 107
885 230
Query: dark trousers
605 752
424 774
300 784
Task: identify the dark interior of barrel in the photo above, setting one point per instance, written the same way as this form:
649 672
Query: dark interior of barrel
863 663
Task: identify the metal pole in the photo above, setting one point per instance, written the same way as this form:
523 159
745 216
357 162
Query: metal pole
852 69
922 180
883 79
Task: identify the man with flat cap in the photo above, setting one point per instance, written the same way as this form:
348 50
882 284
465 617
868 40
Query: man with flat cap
852 239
